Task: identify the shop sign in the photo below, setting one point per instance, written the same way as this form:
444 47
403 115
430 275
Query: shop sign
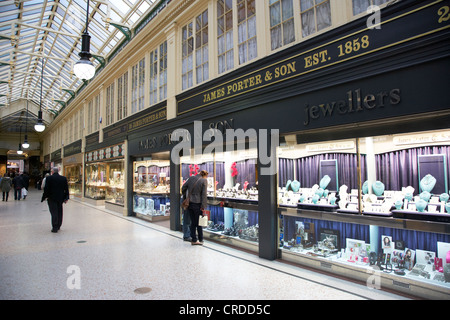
114 132
148 119
73 159
156 142
422 138
72 149
331 146
56 155
430 18
354 101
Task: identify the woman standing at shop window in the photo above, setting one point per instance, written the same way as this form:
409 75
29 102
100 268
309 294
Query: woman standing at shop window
196 188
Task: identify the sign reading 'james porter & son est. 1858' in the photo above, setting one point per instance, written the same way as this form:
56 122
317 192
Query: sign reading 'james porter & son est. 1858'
430 18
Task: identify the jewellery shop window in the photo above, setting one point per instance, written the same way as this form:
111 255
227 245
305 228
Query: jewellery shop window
74 178
232 192
152 187
115 191
327 213
105 181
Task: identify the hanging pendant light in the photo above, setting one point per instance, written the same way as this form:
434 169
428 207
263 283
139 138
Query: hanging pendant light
25 143
19 151
84 69
39 126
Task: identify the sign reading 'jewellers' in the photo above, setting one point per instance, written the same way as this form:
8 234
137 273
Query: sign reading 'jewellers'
423 21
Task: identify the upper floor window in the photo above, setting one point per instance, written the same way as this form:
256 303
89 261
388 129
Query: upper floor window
90 115
315 15
75 127
96 117
122 96
187 53
201 47
158 74
225 45
282 31
81 122
109 105
138 86
360 6
246 19
195 42
163 71
70 138
153 77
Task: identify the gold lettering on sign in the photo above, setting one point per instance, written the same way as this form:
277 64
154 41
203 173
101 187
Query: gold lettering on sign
248 83
151 118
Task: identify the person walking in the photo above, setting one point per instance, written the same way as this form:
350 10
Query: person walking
56 191
26 184
43 181
18 185
196 188
5 185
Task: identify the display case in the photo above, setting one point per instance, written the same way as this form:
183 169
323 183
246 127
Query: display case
384 220
233 176
234 226
95 181
74 176
116 183
151 189
232 195
105 181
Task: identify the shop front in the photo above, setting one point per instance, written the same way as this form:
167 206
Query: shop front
355 123
56 159
104 175
73 168
149 165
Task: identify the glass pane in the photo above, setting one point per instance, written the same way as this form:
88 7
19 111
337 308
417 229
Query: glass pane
306 4
275 14
323 16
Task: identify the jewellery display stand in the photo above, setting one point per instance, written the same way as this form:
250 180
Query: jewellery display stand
233 223
314 198
354 257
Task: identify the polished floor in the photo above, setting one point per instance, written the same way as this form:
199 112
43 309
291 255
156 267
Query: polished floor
100 255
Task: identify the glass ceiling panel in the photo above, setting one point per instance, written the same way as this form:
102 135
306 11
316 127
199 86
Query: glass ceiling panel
59 24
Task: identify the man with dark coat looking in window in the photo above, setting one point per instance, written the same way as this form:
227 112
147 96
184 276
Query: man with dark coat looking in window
56 191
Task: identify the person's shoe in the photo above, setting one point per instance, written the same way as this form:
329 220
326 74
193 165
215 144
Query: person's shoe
197 243
54 230
187 239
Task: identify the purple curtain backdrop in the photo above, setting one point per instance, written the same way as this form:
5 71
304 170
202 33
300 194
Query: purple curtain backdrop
208 166
308 169
399 169
246 172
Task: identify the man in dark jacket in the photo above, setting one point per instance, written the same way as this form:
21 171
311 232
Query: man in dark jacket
196 188
18 185
56 191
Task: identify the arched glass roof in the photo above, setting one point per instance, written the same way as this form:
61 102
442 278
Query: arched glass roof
44 33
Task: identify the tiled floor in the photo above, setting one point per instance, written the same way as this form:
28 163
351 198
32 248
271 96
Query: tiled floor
98 254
